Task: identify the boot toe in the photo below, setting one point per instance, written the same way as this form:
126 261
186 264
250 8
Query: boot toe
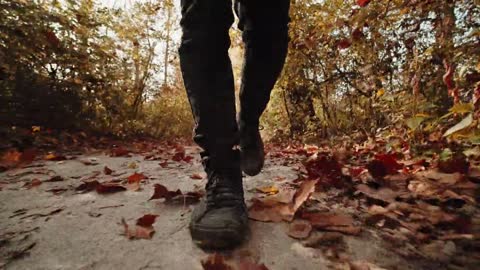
219 228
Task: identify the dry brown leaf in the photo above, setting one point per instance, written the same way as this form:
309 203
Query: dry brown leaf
196 176
138 232
382 194
33 183
109 188
107 170
300 229
332 222
271 210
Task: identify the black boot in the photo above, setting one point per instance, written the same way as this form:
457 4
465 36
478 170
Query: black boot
221 221
266 45
251 147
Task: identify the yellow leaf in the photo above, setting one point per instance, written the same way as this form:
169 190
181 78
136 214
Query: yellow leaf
270 190
133 165
425 115
50 156
462 108
380 92
404 11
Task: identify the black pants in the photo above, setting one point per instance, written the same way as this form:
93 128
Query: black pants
207 70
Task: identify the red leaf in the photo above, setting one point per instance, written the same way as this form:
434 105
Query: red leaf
457 163
146 220
162 192
448 76
52 38
344 44
163 164
107 170
136 177
28 156
363 3
109 188
357 34
139 232
119 152
215 262
196 176
326 168
33 183
384 164
187 159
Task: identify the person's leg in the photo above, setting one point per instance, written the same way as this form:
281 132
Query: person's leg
265 33
220 221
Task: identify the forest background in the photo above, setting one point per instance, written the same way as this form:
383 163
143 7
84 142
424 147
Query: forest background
357 68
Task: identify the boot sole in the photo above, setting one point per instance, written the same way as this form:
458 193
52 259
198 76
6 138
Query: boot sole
217 239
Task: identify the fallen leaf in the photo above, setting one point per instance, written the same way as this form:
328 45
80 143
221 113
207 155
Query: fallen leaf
382 194
136 177
465 123
196 176
132 165
54 157
56 178
179 156
146 220
107 170
332 222
162 192
271 210
269 190
109 188
344 44
363 3
299 229
88 186
324 239
57 191
456 164
303 193
327 168
138 232
33 183
163 164
119 152
188 159
215 262
383 164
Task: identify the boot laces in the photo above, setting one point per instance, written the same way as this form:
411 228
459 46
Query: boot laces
222 190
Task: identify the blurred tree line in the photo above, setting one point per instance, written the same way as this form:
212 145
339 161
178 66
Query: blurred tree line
353 67
78 64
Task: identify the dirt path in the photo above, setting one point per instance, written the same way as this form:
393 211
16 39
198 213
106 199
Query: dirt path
55 226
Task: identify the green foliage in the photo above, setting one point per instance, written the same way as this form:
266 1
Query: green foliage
353 68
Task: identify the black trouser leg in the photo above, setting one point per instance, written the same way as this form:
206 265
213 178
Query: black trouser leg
208 76
265 32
